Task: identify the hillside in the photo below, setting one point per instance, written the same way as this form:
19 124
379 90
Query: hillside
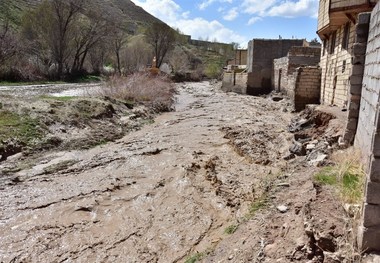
115 10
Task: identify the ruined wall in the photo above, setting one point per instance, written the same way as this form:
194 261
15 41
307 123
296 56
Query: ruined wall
307 86
283 68
261 53
368 138
336 68
235 82
240 57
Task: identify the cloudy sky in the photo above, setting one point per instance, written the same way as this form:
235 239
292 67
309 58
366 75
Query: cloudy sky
237 20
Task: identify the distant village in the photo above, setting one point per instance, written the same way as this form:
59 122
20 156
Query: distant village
342 73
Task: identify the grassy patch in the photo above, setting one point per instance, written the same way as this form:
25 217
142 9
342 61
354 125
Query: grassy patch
15 84
231 229
257 205
347 175
20 127
194 258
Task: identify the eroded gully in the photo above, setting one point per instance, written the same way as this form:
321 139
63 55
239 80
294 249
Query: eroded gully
157 195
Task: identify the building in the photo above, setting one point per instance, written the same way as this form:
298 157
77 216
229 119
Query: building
240 58
256 79
299 76
336 28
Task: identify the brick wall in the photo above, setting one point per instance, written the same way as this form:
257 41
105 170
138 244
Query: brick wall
368 138
307 86
283 68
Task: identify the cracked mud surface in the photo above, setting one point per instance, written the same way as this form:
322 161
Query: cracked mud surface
165 192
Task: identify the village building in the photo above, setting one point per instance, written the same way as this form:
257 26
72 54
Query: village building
350 64
256 79
336 28
298 75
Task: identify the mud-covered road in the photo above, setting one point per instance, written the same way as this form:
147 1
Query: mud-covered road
161 194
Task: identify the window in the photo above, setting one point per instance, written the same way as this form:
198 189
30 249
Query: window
346 36
332 42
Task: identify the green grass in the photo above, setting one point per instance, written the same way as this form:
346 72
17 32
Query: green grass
326 176
198 256
258 205
20 127
15 84
347 175
231 229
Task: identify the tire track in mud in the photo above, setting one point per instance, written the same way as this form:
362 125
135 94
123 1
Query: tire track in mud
156 195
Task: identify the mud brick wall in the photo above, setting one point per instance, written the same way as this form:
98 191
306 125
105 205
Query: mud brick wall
368 138
235 82
307 87
261 53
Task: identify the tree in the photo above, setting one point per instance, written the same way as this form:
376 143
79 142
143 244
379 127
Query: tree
8 43
51 27
162 38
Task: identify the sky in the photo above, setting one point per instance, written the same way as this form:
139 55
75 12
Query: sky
237 20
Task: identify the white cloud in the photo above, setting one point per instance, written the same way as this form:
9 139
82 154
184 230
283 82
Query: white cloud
163 9
172 14
257 7
207 3
281 8
295 9
254 20
231 14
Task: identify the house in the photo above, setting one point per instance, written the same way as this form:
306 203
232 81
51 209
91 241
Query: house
336 28
257 77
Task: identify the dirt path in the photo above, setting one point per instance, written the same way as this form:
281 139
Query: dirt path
160 194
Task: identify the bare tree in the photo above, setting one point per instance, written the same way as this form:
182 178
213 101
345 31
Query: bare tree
51 26
162 38
8 43
179 60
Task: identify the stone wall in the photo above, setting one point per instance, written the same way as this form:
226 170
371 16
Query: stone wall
307 86
261 53
240 57
368 138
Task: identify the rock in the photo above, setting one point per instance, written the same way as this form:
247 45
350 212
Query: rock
318 160
331 257
283 185
352 209
282 208
310 146
298 149
230 257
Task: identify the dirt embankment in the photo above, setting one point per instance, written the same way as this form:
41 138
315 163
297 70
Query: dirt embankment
221 179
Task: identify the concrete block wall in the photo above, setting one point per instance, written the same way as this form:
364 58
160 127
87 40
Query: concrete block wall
368 138
280 74
235 82
356 78
307 87
261 53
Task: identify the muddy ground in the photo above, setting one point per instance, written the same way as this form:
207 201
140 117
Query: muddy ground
213 181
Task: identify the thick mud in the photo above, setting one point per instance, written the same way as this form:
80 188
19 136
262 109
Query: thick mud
165 193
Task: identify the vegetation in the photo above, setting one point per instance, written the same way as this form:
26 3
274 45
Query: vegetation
154 91
347 176
195 258
231 229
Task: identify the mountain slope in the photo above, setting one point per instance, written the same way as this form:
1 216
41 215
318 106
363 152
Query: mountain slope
118 11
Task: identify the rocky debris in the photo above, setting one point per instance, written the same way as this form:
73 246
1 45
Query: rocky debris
316 135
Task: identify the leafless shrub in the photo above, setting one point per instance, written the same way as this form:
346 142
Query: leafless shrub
157 92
